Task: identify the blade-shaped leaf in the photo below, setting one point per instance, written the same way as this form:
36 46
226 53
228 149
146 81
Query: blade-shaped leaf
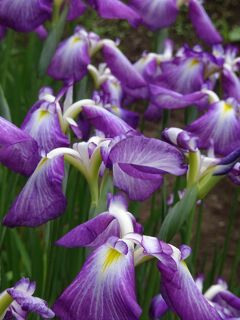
178 215
4 108
52 42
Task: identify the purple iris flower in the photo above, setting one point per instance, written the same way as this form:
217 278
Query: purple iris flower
43 123
105 287
24 15
72 57
139 163
20 302
183 74
219 127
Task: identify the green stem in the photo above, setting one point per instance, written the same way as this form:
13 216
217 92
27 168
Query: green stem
193 171
206 184
5 301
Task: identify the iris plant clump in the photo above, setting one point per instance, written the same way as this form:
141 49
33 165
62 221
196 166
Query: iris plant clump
98 133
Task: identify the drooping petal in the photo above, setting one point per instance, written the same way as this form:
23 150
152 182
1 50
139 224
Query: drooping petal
220 127
180 138
121 67
92 233
231 84
71 58
156 13
168 99
139 162
158 307
42 123
202 23
24 302
104 288
105 121
116 9
76 9
18 150
183 295
42 198
24 15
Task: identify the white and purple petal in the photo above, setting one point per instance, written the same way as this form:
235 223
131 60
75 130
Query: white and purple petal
104 289
18 150
42 123
42 198
71 58
183 295
185 75
138 164
219 126
24 302
105 121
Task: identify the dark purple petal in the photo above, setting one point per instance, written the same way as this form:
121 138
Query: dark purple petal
71 58
183 295
231 84
92 233
121 67
117 10
42 123
76 9
104 289
42 198
156 14
158 307
18 150
105 121
202 23
24 15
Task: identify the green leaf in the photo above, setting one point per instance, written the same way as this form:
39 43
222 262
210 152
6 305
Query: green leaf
23 251
4 108
51 43
178 215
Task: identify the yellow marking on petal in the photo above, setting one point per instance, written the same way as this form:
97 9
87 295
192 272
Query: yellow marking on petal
41 163
227 107
42 114
112 257
194 62
75 39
